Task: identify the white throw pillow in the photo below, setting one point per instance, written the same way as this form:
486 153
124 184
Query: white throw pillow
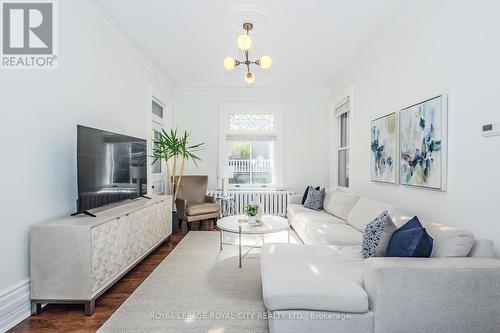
449 241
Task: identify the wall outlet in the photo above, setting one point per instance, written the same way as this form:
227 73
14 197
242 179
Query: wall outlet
491 129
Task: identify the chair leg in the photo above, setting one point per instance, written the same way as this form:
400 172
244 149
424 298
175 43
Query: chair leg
180 223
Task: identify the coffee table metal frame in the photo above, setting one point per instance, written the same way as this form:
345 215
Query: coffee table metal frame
250 247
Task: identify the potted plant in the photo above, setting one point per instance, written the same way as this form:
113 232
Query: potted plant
251 211
175 150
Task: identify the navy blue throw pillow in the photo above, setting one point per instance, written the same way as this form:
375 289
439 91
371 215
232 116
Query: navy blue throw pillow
411 240
306 192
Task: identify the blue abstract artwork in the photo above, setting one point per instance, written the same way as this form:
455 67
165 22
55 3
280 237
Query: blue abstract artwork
383 149
421 152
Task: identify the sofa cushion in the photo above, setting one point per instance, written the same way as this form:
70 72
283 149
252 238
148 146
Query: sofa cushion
201 208
314 198
339 203
312 278
333 234
306 215
411 240
482 248
366 210
449 241
300 216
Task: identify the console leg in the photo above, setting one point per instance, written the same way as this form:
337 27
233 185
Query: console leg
89 308
36 308
188 225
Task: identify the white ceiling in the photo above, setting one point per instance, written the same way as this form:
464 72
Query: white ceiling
309 41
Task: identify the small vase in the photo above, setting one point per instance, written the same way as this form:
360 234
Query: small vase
252 220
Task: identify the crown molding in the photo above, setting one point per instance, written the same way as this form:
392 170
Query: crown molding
371 41
309 89
111 14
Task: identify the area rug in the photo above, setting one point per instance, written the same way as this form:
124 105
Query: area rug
197 288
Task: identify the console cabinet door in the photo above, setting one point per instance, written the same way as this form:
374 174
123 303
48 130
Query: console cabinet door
155 224
115 245
119 242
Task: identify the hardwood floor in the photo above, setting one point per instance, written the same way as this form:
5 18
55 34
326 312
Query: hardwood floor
70 318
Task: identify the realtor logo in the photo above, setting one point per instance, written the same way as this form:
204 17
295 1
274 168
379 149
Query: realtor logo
28 32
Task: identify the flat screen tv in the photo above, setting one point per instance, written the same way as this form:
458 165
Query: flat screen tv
111 168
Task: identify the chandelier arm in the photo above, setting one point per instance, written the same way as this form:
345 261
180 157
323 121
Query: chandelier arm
247 62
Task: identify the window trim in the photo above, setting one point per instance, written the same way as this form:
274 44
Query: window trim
276 109
153 131
337 139
157 119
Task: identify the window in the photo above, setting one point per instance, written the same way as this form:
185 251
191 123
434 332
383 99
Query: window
157 125
342 115
250 143
252 162
156 167
157 109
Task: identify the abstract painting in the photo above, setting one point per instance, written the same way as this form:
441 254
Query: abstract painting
422 145
384 149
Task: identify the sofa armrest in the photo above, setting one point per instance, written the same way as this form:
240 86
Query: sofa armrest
429 294
181 205
210 199
295 199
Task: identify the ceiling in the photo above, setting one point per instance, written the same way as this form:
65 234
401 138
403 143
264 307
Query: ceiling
309 41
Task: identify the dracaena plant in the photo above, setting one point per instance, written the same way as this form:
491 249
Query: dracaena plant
175 149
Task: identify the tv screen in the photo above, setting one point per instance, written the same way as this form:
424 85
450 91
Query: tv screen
111 167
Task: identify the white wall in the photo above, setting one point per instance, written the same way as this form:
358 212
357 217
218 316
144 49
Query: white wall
101 82
306 139
440 47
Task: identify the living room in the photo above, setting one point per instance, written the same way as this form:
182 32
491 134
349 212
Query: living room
250 166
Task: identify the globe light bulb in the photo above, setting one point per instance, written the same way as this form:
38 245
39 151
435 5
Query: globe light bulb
265 62
244 42
249 78
229 63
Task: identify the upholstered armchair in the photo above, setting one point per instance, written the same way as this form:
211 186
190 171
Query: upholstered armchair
192 202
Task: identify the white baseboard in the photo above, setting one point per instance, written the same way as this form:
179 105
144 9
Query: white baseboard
15 305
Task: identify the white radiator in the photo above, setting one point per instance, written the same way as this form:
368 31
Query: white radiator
274 202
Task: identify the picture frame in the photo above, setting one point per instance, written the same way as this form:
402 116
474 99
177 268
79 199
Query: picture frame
384 149
423 144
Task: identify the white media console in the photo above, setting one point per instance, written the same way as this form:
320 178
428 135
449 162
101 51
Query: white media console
75 259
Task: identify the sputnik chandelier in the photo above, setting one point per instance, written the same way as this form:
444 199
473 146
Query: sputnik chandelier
244 42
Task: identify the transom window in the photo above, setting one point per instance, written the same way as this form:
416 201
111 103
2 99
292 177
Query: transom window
251 122
157 109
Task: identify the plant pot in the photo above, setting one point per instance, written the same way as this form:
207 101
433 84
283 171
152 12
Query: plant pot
252 219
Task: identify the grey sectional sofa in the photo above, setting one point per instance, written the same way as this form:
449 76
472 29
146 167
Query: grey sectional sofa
325 285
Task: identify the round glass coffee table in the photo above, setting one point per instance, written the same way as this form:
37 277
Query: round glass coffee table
232 224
